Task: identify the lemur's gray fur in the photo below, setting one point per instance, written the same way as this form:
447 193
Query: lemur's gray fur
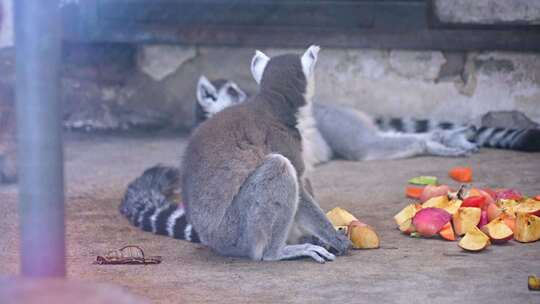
243 170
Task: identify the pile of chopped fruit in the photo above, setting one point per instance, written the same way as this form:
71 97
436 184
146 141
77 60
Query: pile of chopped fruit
478 216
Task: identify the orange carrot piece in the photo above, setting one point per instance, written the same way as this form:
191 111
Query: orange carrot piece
461 174
414 192
447 232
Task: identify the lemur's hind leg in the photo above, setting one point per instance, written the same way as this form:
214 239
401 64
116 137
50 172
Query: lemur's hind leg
456 138
352 135
258 222
387 145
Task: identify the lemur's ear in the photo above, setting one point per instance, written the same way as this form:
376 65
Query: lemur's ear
236 93
206 92
258 63
309 59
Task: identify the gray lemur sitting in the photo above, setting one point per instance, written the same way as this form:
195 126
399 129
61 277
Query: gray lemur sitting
244 185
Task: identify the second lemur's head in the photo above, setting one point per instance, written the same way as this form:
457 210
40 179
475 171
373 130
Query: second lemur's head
286 74
214 96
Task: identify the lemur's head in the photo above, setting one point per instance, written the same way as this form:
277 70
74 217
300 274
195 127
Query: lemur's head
215 96
286 73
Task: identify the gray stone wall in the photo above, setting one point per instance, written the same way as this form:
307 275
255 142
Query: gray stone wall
115 87
453 86
110 87
488 11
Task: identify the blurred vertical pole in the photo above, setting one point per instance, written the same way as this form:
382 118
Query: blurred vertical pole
40 156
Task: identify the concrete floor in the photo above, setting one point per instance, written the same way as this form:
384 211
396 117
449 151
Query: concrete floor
403 270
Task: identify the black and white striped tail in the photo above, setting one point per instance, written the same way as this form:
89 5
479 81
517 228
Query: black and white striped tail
147 204
501 138
514 139
412 125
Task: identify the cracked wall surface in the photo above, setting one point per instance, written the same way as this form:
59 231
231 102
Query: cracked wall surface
112 87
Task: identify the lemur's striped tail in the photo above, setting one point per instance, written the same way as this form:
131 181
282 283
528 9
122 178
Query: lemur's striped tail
147 204
514 139
412 125
501 138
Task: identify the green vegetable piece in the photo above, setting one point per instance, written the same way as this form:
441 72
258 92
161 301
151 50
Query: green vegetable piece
423 180
415 235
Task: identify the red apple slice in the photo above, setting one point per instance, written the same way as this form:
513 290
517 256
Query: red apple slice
429 221
465 219
498 231
474 240
527 228
474 201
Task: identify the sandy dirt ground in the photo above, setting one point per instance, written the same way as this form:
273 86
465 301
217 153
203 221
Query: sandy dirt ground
403 270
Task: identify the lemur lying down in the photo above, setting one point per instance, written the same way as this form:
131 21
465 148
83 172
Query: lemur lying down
335 132
354 135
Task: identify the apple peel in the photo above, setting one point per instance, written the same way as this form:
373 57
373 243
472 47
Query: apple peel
483 219
429 221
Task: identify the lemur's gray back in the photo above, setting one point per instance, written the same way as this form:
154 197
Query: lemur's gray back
224 151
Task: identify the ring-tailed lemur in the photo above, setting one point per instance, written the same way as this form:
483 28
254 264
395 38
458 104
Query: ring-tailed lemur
145 195
259 148
450 134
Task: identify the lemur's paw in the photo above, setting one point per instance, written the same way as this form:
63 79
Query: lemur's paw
437 148
318 253
340 244
456 139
